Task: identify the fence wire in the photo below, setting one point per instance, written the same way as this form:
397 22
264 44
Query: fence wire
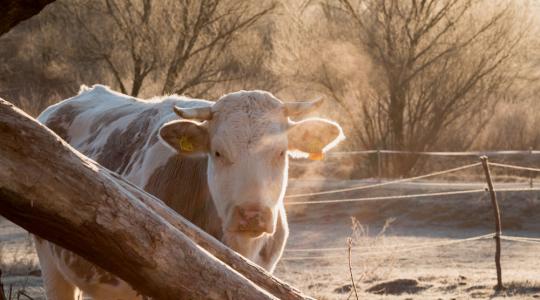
381 250
515 167
363 187
521 239
383 247
439 153
397 197
411 247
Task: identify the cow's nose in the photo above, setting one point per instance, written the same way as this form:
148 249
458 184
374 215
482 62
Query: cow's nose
253 218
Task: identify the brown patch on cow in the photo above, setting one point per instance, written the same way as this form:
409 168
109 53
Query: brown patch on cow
122 145
138 155
112 115
101 121
181 183
60 121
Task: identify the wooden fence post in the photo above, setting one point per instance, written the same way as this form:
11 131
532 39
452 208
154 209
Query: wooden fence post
379 166
497 213
530 172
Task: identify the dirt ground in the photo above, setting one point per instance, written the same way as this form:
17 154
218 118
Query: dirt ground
393 254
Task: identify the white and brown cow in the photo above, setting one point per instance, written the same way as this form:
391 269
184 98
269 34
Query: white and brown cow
223 165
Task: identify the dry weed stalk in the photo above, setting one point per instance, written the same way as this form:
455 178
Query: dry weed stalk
369 269
349 244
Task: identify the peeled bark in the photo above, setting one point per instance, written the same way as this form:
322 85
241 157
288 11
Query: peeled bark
57 193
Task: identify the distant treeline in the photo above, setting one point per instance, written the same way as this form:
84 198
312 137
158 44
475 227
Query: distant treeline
407 75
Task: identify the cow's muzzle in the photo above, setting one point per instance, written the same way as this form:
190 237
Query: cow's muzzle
252 220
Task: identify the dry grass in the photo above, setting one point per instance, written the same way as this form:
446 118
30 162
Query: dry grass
20 266
461 271
369 270
20 261
372 269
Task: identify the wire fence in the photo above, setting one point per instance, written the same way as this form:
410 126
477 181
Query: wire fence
397 197
364 187
374 252
514 167
383 164
404 180
385 249
521 239
411 196
440 153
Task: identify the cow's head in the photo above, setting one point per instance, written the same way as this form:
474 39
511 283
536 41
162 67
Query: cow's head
247 136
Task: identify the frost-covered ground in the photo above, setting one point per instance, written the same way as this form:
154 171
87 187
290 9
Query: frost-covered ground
461 270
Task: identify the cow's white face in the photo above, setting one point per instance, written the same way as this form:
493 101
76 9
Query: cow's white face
246 136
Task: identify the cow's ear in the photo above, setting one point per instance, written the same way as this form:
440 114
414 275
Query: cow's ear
186 137
313 137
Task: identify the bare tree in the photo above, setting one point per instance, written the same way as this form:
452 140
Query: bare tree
108 37
436 62
183 46
133 24
207 29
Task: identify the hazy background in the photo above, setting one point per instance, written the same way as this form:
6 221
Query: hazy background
418 75
430 75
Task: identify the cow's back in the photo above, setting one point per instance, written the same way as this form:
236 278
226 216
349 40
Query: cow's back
111 128
121 133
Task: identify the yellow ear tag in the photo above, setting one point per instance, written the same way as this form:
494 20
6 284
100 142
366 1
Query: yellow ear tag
316 156
185 144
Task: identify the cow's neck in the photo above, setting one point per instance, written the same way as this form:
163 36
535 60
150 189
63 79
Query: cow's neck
182 184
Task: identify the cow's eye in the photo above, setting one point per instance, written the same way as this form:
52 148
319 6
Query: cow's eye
282 153
221 158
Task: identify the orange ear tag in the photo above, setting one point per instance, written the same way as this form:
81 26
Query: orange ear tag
316 156
314 148
185 144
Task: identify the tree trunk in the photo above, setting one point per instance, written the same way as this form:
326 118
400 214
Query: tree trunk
55 192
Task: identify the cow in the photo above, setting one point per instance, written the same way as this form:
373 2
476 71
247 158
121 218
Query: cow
222 165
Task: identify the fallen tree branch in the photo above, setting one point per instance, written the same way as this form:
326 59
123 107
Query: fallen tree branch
15 11
52 190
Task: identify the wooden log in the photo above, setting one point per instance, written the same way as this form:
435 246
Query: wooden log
15 11
497 214
252 271
54 191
